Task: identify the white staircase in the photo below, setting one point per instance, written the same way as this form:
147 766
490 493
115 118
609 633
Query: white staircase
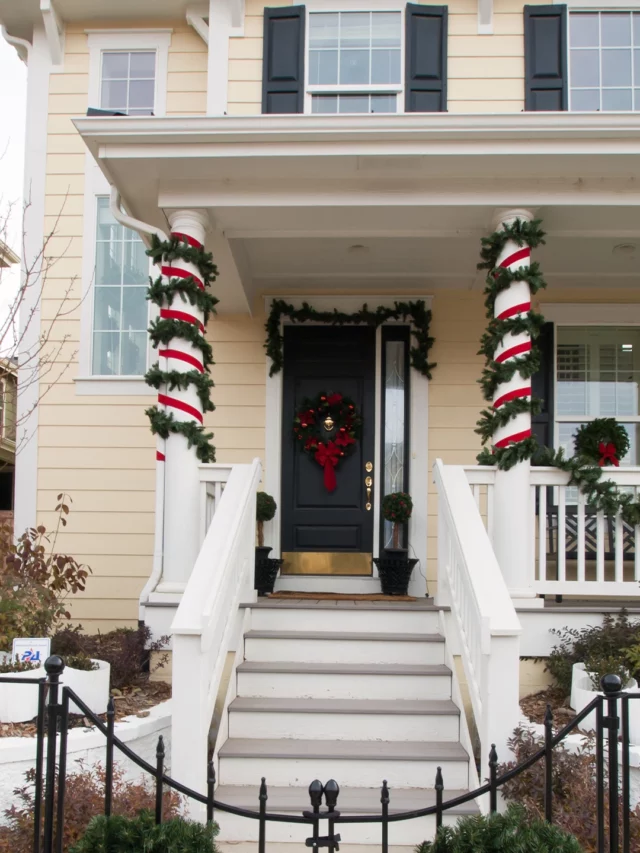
354 691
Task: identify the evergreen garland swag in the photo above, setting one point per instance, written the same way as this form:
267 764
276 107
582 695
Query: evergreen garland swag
163 293
415 311
498 279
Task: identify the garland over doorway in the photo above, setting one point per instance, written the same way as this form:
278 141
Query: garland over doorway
416 311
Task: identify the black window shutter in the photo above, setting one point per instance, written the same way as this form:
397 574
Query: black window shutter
283 60
542 387
426 59
545 58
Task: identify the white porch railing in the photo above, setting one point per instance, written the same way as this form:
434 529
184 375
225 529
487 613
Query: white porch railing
213 479
487 626
573 550
209 622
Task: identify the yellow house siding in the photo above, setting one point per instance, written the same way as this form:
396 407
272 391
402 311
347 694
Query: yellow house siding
485 72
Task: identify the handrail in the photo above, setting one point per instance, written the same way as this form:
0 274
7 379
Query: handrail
208 623
487 627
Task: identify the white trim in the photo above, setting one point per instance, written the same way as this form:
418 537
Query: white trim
35 164
54 30
485 17
377 445
220 27
591 314
418 430
113 385
196 20
107 40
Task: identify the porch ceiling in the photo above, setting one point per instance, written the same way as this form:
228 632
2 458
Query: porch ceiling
377 202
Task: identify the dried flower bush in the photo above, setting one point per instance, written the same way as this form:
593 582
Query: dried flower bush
574 790
84 799
127 650
612 647
35 580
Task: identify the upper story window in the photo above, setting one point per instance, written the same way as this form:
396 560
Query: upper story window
355 62
127 82
120 307
604 61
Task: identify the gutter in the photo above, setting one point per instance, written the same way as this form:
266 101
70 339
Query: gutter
144 230
22 46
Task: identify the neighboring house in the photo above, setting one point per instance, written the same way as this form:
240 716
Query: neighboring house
8 409
333 154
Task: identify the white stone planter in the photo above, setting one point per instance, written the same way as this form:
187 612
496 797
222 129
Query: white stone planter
92 686
582 693
19 702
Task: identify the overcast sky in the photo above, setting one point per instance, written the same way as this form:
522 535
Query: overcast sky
13 100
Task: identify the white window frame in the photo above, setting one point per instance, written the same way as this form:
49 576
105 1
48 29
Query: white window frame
591 6
579 314
365 88
86 383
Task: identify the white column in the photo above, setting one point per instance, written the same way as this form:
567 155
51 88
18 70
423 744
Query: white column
182 493
512 531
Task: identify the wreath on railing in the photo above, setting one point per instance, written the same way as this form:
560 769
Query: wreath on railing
328 427
604 441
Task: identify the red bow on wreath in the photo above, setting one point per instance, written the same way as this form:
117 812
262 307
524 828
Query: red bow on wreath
328 456
607 454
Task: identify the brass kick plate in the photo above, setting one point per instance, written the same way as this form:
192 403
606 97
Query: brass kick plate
326 563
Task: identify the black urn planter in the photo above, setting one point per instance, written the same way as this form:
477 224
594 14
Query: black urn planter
266 570
394 569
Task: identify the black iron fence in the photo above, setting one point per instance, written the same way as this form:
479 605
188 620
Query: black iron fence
612 736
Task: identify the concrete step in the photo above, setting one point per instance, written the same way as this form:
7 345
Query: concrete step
356 764
343 681
352 801
347 616
345 719
343 646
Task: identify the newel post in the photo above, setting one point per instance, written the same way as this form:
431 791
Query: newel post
512 528
181 475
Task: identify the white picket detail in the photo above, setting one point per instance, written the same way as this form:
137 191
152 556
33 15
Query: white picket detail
574 550
209 621
487 626
213 478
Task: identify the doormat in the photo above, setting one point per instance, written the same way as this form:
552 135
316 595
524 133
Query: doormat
340 596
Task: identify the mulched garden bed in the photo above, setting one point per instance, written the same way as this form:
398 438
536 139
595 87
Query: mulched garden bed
535 706
130 701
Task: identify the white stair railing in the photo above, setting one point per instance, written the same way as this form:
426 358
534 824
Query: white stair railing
486 626
209 621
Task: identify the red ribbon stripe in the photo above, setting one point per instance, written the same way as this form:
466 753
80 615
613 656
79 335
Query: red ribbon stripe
513 351
514 439
185 238
520 255
178 272
182 356
512 395
178 404
522 308
170 314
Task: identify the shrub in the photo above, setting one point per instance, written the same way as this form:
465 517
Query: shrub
84 799
574 790
512 832
604 649
265 510
127 650
9 666
82 662
35 581
133 835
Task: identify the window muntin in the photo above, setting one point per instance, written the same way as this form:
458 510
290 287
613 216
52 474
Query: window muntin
604 61
354 61
127 81
598 376
120 308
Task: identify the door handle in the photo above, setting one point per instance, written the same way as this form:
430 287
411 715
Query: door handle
368 483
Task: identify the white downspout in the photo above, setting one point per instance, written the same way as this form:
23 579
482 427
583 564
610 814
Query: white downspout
144 230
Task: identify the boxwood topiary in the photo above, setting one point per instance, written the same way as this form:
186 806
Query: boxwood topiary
511 832
265 510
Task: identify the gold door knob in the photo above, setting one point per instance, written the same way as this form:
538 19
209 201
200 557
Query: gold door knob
368 467
368 483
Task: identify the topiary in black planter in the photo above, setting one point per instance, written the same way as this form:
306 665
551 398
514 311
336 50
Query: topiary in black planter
394 569
266 572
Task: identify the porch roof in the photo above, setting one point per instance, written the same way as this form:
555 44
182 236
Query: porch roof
335 201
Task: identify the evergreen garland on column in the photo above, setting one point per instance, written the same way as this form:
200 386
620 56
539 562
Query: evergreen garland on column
522 233
168 293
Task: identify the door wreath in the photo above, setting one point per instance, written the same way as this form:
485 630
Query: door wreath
328 427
